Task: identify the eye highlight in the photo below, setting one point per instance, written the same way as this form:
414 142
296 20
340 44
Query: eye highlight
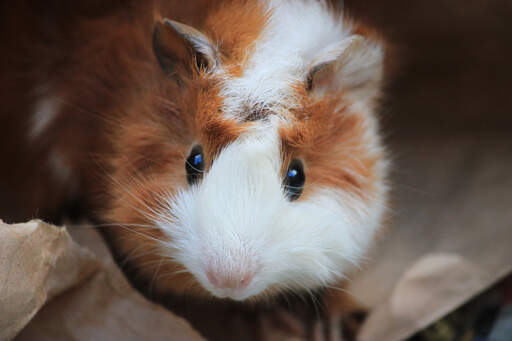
294 180
194 165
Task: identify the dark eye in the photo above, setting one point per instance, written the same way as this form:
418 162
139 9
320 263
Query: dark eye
195 165
294 180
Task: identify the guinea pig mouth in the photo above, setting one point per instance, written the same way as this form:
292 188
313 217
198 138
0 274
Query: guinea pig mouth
236 295
232 283
252 294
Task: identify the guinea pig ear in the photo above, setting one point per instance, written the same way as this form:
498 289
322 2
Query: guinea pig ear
354 66
179 44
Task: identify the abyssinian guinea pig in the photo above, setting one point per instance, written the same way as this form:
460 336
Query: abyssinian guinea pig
236 159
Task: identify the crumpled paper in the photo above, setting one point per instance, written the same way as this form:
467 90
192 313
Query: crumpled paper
37 262
451 234
434 286
51 288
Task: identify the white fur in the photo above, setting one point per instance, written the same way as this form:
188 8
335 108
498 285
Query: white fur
237 219
45 112
282 56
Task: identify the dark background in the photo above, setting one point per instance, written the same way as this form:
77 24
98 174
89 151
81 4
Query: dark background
449 62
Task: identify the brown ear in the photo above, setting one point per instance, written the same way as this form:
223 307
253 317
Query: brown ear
178 45
354 65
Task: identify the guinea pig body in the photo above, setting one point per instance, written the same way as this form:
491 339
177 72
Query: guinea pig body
239 159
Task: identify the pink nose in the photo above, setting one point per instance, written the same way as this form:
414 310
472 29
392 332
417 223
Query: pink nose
238 280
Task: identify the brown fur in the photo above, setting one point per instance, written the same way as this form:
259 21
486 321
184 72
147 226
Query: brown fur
125 128
215 131
235 26
330 140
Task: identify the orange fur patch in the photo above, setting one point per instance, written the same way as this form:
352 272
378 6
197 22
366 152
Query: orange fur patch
235 26
214 130
330 140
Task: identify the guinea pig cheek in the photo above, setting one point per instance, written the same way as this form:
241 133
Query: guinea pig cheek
321 239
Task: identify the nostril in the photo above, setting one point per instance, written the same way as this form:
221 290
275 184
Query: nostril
236 280
211 277
246 280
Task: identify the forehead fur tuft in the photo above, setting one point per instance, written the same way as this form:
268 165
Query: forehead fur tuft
278 60
235 27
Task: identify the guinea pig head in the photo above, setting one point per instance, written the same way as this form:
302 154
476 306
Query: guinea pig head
266 169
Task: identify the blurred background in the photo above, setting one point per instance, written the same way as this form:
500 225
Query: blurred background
449 61
447 117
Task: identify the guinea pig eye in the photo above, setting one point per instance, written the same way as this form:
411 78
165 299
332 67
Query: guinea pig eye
194 165
294 180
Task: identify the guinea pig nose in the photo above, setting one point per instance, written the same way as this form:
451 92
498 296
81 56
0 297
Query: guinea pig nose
232 280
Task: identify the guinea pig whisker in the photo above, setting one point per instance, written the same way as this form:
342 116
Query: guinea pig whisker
194 168
112 225
130 256
294 187
94 114
150 263
152 283
134 256
140 233
124 226
120 187
153 214
166 275
317 304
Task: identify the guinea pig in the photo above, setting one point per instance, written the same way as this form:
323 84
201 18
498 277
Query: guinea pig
238 159
265 171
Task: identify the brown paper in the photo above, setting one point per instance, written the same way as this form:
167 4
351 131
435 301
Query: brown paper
69 294
431 288
451 235
37 262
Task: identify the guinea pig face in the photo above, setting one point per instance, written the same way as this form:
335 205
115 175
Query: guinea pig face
255 223
283 178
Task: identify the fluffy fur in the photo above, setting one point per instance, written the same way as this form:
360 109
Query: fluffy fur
249 224
121 129
237 221
294 33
